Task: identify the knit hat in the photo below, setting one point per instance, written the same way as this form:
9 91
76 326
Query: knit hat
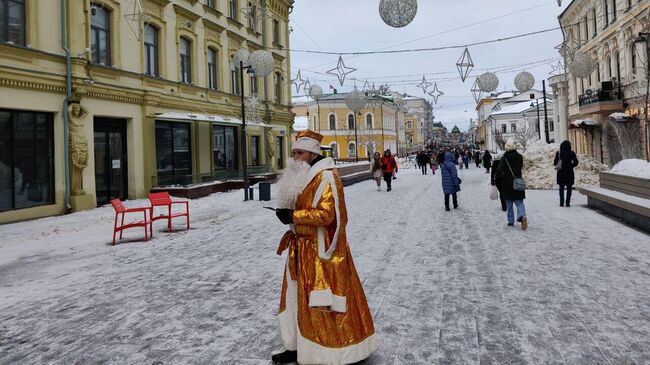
308 141
510 146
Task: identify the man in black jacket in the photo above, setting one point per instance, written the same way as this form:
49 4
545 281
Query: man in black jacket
497 182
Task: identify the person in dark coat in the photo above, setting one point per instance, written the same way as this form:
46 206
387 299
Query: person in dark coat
497 182
477 158
441 157
487 161
510 168
565 175
450 185
423 161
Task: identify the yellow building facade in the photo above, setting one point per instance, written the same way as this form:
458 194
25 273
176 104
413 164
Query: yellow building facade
375 126
138 95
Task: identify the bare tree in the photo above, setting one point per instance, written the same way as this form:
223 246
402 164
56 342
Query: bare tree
524 137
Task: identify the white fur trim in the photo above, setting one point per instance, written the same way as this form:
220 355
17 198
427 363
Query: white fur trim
313 353
307 144
328 177
288 318
325 298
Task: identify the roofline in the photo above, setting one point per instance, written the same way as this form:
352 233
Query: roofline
565 10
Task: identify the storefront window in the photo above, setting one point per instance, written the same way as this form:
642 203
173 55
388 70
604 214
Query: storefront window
225 157
26 160
173 153
255 151
280 151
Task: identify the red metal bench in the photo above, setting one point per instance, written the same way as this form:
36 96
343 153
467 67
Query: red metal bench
121 209
163 199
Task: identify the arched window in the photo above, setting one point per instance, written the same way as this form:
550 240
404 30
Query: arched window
350 121
368 121
352 151
186 60
332 120
12 22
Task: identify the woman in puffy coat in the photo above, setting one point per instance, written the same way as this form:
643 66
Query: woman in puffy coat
375 169
565 175
450 182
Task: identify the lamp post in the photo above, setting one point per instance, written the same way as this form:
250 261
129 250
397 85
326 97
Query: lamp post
539 130
643 37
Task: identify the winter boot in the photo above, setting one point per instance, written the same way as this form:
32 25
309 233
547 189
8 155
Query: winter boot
286 357
524 223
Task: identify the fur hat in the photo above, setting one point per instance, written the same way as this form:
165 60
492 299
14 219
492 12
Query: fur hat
510 146
308 141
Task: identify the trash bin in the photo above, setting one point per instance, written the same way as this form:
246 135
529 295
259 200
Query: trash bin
265 191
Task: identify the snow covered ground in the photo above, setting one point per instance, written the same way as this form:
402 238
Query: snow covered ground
444 287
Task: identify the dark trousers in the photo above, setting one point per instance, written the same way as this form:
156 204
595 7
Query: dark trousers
569 189
477 163
388 178
455 199
487 169
424 169
503 200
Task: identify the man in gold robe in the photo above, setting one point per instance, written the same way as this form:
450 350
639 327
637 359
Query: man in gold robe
324 317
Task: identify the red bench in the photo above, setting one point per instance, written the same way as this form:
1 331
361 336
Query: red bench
121 209
163 199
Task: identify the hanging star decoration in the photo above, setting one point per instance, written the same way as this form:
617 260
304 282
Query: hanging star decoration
298 81
435 93
465 64
135 17
424 84
557 69
341 71
307 86
477 93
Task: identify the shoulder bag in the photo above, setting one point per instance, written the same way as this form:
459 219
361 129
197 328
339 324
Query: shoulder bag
518 183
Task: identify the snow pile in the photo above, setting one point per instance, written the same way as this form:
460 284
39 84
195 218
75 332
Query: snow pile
633 167
540 173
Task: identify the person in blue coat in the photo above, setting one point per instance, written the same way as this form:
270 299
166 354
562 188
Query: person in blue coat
450 181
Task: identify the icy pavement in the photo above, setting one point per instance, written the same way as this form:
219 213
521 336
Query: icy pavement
454 287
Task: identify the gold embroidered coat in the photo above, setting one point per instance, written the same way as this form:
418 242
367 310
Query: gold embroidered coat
323 310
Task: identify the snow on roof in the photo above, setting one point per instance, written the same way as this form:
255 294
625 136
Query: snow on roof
622 117
514 108
584 122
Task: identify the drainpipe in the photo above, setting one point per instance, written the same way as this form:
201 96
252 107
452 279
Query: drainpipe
68 96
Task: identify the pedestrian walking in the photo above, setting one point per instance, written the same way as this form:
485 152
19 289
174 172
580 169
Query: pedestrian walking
487 161
423 161
494 181
510 169
324 316
434 164
450 180
565 161
459 160
466 156
477 158
389 168
375 169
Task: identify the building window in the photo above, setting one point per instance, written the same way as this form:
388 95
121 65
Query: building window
595 22
352 151
629 5
633 56
409 125
186 60
12 21
173 153
232 8
278 88
350 121
234 80
279 143
368 121
613 11
586 28
209 3
513 128
252 15
225 147
598 73
26 159
551 127
254 84
255 151
335 150
276 32
618 67
212 69
100 36
606 13
609 68
504 128
332 120
151 50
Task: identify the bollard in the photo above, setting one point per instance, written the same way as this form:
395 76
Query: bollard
265 191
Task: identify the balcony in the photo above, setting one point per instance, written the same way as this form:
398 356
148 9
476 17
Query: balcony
600 101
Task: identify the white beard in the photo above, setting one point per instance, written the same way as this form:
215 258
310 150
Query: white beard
292 182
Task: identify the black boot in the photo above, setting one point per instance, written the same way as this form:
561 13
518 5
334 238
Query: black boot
286 357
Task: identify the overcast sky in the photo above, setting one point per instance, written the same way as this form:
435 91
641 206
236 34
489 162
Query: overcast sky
348 26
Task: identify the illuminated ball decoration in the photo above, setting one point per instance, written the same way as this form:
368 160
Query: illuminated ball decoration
241 56
582 66
356 100
262 62
488 82
316 92
398 13
524 81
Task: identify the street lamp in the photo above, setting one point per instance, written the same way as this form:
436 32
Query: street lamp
257 63
643 37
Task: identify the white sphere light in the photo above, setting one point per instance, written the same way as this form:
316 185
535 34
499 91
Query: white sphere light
356 100
398 13
524 81
241 56
582 66
262 62
488 82
316 92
